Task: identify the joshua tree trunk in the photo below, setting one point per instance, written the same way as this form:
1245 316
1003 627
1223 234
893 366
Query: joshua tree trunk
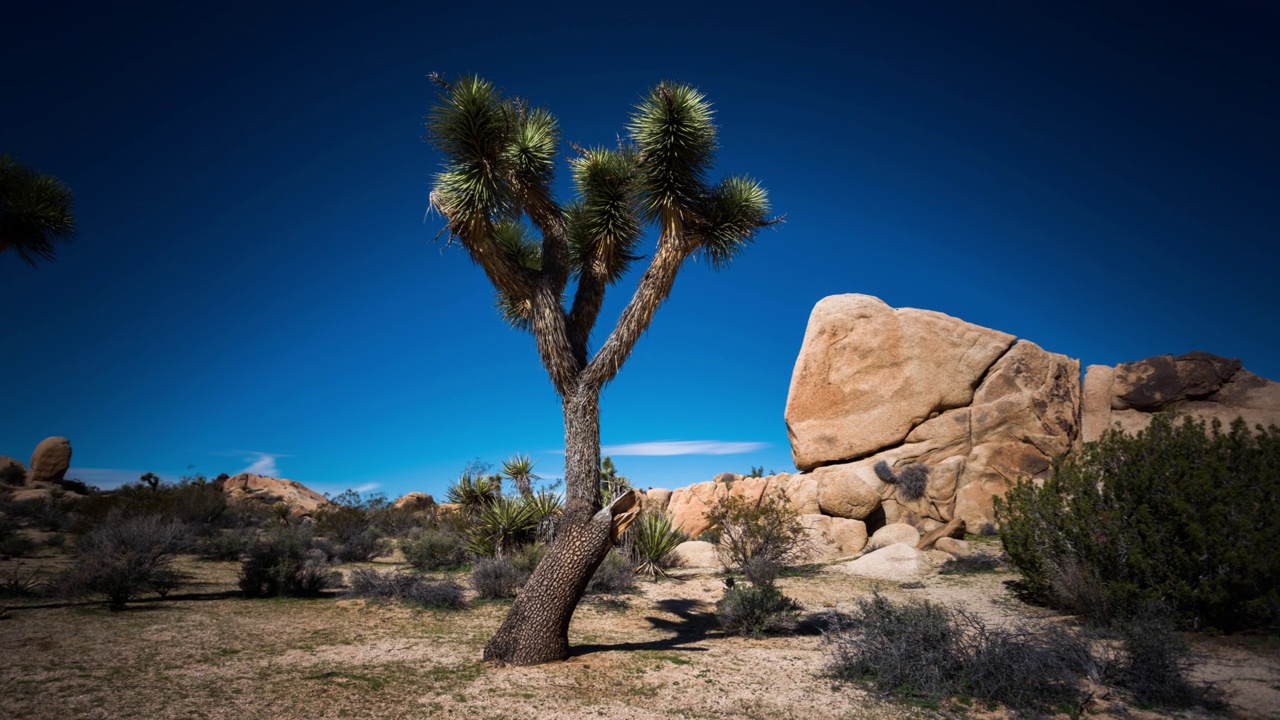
536 629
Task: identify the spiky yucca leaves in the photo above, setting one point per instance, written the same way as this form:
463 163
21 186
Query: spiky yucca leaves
503 526
519 469
474 492
674 133
653 542
35 212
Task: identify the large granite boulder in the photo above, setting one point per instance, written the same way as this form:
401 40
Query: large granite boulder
301 499
688 506
975 407
50 460
1204 386
868 374
832 537
898 562
415 502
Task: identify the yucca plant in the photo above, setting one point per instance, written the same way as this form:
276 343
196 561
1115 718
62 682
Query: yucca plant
519 470
546 506
474 492
653 543
502 526
495 193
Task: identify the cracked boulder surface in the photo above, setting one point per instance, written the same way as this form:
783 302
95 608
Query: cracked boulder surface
977 406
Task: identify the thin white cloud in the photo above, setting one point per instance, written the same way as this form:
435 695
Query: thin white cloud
683 447
367 487
263 464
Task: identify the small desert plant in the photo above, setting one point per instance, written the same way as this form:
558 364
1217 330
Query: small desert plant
923 650
125 557
496 578
612 485
519 469
769 529
613 577
283 562
20 582
912 481
444 595
756 610
435 549
13 475
653 544
347 520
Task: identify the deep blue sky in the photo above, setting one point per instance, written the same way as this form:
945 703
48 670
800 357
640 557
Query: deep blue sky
254 282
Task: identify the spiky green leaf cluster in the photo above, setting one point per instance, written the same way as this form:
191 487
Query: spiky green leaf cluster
35 212
732 213
673 131
495 151
604 228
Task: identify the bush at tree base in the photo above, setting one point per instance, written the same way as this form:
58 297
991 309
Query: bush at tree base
1175 514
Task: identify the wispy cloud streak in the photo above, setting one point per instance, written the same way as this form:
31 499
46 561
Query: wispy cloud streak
683 447
263 464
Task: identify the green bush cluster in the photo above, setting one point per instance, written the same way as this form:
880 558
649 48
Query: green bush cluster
284 561
1178 514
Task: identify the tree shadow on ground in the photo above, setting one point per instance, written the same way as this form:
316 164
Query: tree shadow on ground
693 625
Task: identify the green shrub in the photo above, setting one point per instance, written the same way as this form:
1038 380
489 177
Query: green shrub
1174 514
283 562
756 610
125 557
613 577
496 578
922 650
769 530
653 543
474 490
435 549
226 545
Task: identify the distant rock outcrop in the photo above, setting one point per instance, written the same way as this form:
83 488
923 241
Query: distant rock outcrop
50 461
269 491
1207 387
415 502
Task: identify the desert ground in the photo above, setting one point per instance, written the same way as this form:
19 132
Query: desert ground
205 652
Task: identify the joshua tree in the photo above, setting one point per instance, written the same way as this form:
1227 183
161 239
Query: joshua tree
35 212
495 193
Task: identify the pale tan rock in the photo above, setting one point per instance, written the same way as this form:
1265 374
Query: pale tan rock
268 490
415 502
802 493
954 547
1030 397
689 505
658 498
893 534
898 562
831 538
868 374
50 460
1095 409
698 554
1206 387
848 491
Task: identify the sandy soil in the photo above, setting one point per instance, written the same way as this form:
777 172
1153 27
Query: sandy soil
206 653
